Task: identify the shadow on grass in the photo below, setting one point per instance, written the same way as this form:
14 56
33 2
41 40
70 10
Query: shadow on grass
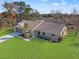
75 44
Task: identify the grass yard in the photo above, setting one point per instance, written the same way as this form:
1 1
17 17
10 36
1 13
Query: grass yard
40 49
5 32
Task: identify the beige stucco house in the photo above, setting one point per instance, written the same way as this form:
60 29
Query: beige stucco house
41 29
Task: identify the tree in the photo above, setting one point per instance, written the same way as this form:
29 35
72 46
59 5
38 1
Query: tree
74 11
27 13
21 9
52 12
8 7
15 11
10 14
58 12
0 23
55 12
35 14
76 21
76 26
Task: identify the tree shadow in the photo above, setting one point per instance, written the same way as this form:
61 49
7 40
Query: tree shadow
76 44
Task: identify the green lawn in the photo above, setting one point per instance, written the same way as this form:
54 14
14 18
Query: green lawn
5 32
40 49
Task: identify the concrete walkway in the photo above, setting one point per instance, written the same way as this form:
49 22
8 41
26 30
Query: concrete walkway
6 37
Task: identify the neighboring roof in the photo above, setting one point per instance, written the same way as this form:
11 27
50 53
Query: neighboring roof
53 28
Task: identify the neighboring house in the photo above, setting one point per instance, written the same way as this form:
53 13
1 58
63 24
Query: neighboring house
40 28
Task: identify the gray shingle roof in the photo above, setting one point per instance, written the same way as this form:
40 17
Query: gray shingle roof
53 28
31 24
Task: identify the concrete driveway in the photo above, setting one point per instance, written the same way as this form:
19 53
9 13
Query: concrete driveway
9 36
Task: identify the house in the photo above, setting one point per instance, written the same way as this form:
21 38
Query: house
42 29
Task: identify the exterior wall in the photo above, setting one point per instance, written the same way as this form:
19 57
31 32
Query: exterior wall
55 38
18 29
47 36
32 33
63 31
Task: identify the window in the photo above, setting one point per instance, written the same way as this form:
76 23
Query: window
38 32
43 33
53 34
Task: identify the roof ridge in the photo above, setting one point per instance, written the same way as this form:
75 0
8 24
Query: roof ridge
38 25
